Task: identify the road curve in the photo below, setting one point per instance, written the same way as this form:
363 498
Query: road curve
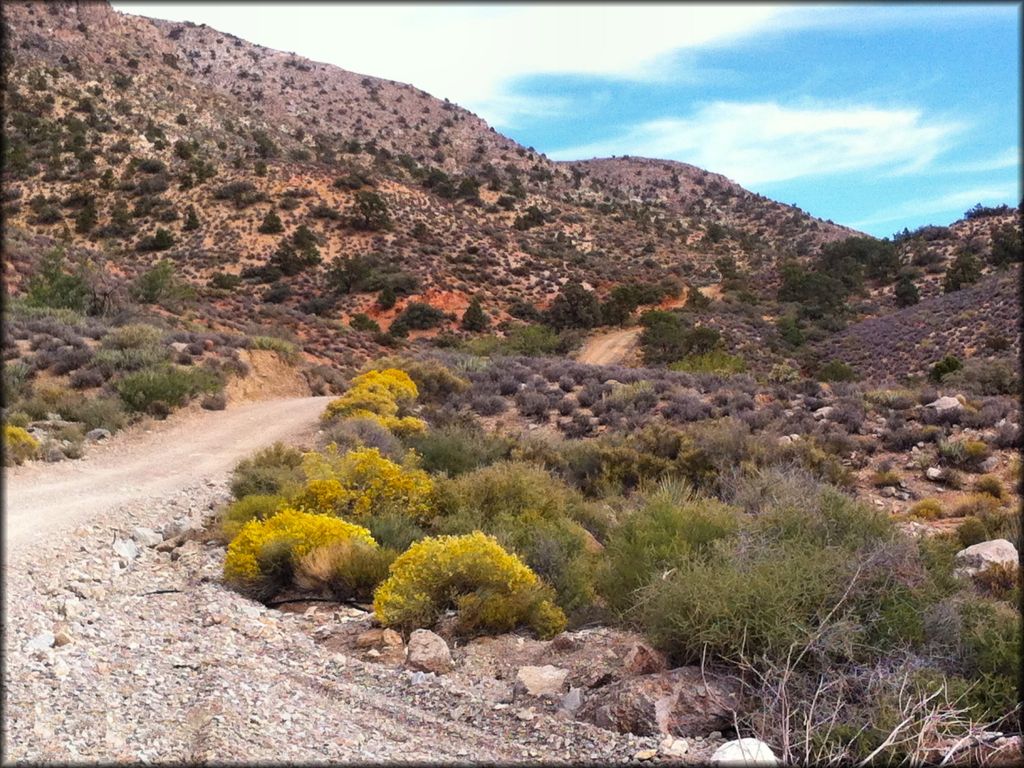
609 348
46 499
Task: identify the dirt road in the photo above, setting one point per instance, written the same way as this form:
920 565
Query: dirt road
609 348
45 499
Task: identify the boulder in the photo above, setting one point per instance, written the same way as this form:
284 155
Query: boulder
980 557
933 473
945 403
548 680
428 652
990 464
41 642
679 702
387 644
572 701
97 435
641 659
53 454
824 412
742 752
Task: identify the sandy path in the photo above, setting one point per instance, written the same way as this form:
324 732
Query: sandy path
45 499
609 348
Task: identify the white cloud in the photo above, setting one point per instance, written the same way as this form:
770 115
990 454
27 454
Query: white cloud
754 143
957 202
1008 158
472 53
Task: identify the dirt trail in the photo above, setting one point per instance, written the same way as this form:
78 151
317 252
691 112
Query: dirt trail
45 499
609 348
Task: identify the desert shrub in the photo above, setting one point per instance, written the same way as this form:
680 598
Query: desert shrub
354 433
962 454
274 470
261 559
348 569
715 361
491 589
379 396
360 321
91 412
885 478
417 315
990 484
944 368
435 382
456 450
927 509
836 370
158 389
672 525
529 512
257 506
971 531
980 505
990 654
288 351
999 581
985 377
19 446
361 482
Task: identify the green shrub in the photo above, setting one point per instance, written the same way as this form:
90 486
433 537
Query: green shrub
275 470
836 370
491 589
456 450
348 569
673 525
990 484
133 336
927 509
944 367
91 412
257 506
991 656
394 530
530 513
434 382
156 390
288 351
715 361
971 531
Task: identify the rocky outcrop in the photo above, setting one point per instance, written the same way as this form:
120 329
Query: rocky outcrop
679 702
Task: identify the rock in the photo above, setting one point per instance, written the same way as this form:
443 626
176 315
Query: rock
744 752
125 549
53 454
641 659
889 492
785 440
982 556
824 412
933 473
990 464
41 642
646 754
97 435
526 715
944 404
146 537
674 747
179 346
190 548
572 701
428 652
680 702
382 643
548 680
565 642
62 637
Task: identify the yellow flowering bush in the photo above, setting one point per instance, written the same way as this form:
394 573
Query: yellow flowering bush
490 588
380 396
261 558
19 445
363 482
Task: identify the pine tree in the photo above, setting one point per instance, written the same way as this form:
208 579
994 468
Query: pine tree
86 218
271 224
906 292
475 319
191 219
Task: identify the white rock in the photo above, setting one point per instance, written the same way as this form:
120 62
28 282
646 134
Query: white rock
824 412
146 537
933 473
572 701
674 747
429 652
125 549
41 642
548 680
944 404
979 557
742 752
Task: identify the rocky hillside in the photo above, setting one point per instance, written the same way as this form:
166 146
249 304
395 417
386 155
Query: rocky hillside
134 139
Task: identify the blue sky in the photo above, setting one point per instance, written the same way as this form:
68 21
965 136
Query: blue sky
875 116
